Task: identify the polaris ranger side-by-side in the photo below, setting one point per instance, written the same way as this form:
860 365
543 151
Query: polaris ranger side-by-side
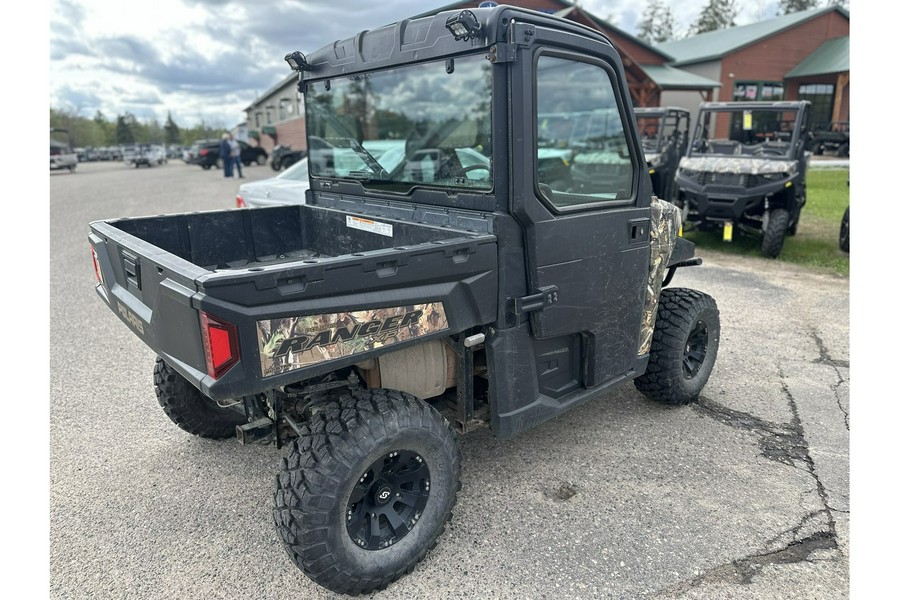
746 168
664 132
451 276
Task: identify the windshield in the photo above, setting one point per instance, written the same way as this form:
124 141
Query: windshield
427 124
660 131
748 132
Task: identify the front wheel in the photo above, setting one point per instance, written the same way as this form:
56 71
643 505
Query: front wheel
776 230
191 410
366 489
684 347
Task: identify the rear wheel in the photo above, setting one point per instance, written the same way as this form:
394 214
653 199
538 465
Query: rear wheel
844 150
205 167
261 160
366 489
684 347
194 412
776 230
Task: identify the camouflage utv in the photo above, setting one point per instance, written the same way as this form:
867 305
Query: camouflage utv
746 169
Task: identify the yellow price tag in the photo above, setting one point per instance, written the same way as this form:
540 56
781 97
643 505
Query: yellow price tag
748 120
728 231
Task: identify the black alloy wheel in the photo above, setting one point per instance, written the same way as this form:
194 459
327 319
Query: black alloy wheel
695 350
388 500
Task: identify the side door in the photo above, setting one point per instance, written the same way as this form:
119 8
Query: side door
586 228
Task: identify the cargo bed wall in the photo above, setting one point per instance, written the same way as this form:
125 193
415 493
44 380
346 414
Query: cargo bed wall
285 268
243 238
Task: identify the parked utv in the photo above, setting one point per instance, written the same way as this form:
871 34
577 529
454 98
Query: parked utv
480 290
833 137
746 168
664 135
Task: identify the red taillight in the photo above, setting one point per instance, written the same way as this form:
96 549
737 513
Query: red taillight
96 265
203 152
220 343
240 202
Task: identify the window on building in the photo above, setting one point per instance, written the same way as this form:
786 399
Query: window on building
821 96
258 118
579 124
285 109
269 115
758 91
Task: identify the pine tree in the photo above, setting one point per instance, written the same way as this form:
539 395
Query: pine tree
124 132
173 133
657 24
786 7
718 14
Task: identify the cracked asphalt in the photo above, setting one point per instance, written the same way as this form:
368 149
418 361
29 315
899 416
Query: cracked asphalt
743 494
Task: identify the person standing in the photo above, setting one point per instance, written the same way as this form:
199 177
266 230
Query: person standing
225 155
235 155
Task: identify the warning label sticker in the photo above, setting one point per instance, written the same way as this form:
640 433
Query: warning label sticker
370 226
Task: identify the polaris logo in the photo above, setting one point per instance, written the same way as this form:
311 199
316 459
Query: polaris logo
130 318
304 342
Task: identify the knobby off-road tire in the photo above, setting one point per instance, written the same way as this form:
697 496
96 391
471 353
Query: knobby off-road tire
191 410
366 489
844 238
684 347
776 230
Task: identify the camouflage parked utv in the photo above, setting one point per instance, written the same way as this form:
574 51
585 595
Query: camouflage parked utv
452 278
664 132
746 168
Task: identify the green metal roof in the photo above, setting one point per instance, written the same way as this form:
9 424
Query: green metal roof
831 57
670 78
714 45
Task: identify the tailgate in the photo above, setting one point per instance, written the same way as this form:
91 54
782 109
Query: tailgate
151 291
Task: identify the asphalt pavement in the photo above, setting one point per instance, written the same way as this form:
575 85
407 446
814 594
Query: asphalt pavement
743 494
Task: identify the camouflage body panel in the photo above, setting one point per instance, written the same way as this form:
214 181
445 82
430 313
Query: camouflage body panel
665 222
737 164
295 342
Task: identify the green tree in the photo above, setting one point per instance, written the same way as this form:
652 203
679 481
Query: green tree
173 133
786 7
124 128
657 23
717 14
106 130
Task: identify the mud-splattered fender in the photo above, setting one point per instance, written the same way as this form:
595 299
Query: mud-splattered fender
665 223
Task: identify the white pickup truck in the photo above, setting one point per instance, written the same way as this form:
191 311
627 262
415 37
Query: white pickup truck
61 154
144 154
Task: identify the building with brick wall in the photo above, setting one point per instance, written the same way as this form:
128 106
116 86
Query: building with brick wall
276 117
800 56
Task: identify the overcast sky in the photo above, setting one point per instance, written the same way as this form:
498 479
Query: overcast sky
209 59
